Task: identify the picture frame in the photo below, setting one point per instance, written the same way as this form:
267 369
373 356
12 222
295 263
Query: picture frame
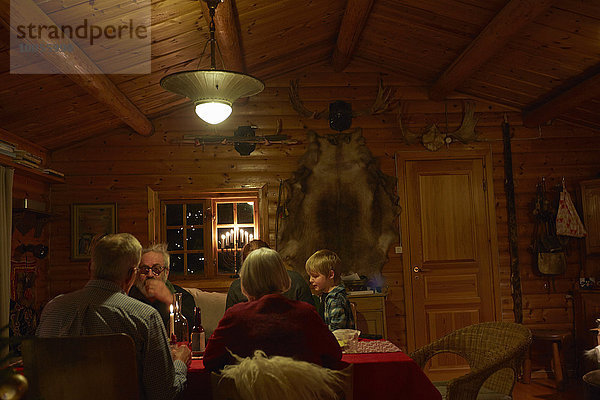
88 220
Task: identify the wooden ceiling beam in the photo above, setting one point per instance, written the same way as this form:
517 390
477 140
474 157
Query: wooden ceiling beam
509 21
553 107
354 20
90 77
227 35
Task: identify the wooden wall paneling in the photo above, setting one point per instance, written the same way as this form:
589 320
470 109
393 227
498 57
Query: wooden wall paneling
120 168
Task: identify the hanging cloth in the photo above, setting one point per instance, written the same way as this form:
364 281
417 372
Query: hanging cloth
567 220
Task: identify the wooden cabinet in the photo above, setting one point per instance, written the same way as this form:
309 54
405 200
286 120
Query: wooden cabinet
590 199
370 313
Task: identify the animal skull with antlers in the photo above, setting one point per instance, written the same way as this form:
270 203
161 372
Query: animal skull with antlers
340 113
433 139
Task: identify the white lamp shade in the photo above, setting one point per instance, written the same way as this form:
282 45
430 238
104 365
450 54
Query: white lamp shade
213 112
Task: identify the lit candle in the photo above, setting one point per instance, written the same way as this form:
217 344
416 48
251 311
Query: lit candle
241 236
235 234
171 322
246 234
227 238
251 238
223 241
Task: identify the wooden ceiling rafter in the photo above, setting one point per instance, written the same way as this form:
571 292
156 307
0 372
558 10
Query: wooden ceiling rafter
508 22
553 107
353 22
227 35
90 77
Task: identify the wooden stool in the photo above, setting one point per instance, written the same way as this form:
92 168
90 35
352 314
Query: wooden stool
557 338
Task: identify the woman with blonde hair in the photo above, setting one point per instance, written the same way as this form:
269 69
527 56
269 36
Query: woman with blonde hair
269 321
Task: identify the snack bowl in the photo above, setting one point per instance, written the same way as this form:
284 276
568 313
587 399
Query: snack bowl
347 339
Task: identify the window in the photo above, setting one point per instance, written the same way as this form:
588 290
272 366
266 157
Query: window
184 232
235 225
205 232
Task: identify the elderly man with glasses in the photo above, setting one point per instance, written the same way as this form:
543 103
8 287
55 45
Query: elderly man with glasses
153 287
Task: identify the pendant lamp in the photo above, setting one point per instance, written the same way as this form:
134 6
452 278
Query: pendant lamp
213 91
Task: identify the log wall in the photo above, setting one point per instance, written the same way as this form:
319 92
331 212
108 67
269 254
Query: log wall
118 168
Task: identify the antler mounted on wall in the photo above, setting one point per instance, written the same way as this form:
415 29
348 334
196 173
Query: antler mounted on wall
433 138
340 113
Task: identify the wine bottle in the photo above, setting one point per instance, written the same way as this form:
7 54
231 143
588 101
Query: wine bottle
180 322
198 335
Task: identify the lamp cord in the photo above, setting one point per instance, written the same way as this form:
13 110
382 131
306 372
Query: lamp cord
211 27
212 6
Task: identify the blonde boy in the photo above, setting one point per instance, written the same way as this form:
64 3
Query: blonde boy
324 268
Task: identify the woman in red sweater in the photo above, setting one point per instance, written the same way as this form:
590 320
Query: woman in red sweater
269 321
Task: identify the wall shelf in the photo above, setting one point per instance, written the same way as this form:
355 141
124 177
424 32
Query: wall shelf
30 172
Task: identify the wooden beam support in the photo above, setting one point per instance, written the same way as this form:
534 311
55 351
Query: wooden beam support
90 77
354 20
565 101
509 21
227 35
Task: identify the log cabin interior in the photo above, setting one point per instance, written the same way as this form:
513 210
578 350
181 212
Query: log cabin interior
468 105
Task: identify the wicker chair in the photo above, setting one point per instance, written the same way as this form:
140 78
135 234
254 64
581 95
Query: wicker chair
495 352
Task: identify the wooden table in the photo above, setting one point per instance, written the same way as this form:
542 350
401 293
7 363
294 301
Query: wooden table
376 376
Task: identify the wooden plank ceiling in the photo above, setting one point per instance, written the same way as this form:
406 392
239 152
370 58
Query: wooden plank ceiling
538 56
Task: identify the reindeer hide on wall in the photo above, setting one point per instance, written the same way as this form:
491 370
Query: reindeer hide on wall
338 199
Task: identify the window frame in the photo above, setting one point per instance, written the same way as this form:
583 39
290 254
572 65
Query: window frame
212 280
216 226
206 225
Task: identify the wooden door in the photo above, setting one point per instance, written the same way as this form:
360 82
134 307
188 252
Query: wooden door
590 198
449 257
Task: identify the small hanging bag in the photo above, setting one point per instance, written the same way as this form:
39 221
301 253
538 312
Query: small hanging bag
567 220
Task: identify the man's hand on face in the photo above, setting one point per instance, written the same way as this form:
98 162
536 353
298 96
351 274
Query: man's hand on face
157 290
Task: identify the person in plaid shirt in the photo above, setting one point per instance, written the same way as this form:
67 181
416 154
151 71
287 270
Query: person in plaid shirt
103 307
324 268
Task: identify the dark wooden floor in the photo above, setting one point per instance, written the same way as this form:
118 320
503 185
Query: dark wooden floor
543 388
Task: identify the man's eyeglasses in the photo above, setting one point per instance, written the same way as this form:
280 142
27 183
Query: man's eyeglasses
156 268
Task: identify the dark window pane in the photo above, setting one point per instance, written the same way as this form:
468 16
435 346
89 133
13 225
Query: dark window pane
245 213
195 239
195 263
229 261
175 239
225 213
174 214
195 214
177 263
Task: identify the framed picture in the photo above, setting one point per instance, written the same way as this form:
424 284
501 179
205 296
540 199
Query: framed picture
88 220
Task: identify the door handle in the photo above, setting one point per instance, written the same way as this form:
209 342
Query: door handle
418 269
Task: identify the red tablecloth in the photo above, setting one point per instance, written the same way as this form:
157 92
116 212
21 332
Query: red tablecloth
376 376
389 376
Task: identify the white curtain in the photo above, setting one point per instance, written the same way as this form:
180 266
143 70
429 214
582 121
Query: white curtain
6 185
